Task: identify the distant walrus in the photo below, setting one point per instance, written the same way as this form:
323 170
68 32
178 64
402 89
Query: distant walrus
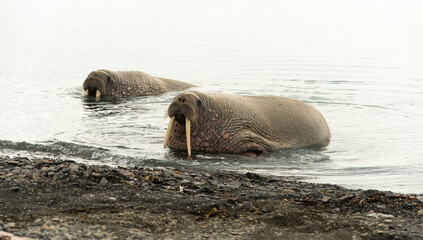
128 83
243 124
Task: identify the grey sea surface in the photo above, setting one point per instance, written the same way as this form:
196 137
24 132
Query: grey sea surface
359 62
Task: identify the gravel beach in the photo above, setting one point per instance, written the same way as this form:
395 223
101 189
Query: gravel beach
57 199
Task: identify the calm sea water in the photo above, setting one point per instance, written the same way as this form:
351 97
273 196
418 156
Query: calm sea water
359 62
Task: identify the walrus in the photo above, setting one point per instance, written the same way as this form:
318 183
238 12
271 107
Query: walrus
128 83
225 123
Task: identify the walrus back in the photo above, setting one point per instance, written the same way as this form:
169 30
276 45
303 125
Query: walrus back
291 122
281 122
137 83
175 85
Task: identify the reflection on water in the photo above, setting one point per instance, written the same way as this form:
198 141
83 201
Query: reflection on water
358 62
106 107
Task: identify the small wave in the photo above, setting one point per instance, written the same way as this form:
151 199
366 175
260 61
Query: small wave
51 148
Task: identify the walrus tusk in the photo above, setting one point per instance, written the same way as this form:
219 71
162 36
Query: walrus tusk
86 93
97 94
188 130
169 129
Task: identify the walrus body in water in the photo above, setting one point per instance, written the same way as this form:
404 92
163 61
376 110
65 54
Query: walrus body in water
128 83
212 122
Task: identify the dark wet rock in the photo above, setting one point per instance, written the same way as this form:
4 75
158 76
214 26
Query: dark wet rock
185 182
14 188
13 162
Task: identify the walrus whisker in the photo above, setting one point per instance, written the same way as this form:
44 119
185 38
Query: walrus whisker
86 93
98 93
169 129
188 133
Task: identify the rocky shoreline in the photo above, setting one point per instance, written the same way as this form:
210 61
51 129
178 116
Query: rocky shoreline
56 199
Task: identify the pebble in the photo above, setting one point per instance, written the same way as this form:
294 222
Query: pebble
98 235
380 215
74 167
103 181
12 162
38 221
113 199
326 199
381 207
374 208
96 174
185 182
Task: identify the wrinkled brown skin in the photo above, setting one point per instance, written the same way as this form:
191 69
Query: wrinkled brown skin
129 83
245 124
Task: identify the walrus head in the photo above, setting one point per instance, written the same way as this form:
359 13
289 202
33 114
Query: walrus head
182 111
95 84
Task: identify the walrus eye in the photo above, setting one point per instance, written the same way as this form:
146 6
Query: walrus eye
198 102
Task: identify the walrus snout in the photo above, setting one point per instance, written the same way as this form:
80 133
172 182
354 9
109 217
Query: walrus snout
184 106
94 87
183 109
180 118
187 129
95 84
183 114
92 91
